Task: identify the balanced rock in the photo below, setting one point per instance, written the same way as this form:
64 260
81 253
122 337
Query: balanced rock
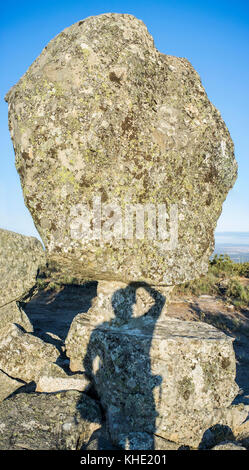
105 127
20 258
56 421
23 355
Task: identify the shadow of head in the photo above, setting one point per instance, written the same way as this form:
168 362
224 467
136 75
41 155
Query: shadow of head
124 300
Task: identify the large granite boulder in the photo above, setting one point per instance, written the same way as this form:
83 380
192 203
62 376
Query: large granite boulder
40 421
104 122
20 258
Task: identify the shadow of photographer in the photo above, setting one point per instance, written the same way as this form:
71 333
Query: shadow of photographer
118 362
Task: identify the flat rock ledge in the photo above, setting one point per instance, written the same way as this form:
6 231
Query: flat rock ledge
54 379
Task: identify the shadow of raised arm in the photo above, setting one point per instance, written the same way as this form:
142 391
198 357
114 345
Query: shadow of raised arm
159 300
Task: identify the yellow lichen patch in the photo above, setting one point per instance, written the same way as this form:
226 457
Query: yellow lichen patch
66 176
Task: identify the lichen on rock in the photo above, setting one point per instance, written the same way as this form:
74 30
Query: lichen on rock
20 258
102 112
124 165
55 421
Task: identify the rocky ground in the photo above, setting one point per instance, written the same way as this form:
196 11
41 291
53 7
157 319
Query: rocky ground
51 313
35 415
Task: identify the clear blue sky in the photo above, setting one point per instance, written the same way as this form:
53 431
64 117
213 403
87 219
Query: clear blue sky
213 35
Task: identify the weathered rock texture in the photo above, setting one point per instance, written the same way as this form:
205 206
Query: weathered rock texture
228 446
13 313
58 421
23 355
101 112
241 433
168 377
20 257
116 303
7 385
145 441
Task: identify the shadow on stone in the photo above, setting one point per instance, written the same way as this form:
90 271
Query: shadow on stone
112 341
214 435
24 388
99 440
120 369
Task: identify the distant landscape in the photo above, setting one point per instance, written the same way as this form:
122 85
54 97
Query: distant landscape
234 244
